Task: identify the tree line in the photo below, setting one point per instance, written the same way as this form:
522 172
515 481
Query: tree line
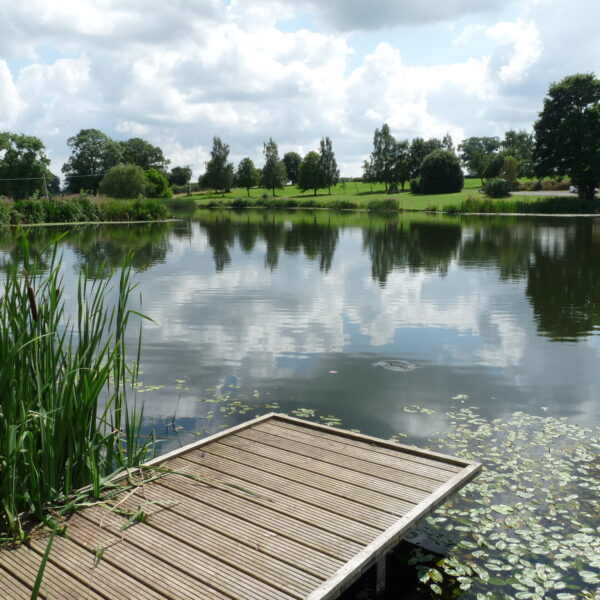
565 142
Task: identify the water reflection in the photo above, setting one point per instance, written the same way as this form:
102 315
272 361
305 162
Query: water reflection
557 258
301 305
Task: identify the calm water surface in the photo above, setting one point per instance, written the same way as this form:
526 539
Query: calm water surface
294 310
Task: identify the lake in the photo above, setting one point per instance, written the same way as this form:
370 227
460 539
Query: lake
304 313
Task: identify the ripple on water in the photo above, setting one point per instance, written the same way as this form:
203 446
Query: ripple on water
396 365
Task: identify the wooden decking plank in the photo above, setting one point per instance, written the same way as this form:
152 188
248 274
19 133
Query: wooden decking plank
335 466
317 515
350 446
452 463
140 563
356 459
342 487
259 533
102 577
24 564
281 522
177 555
245 558
12 589
302 491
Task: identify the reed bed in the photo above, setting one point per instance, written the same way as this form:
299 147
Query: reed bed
65 421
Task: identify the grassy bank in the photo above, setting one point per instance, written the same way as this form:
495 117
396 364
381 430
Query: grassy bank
80 209
364 196
64 420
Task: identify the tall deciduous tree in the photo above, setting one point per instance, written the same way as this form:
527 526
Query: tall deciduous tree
274 174
419 149
567 133
180 175
477 154
329 170
311 175
93 153
292 161
219 172
246 175
137 151
23 163
520 144
382 157
401 163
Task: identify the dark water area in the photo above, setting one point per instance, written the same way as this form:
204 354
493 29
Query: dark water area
287 311
480 330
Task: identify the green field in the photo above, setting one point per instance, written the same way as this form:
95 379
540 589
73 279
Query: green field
359 193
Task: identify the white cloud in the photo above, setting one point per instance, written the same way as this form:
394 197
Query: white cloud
179 73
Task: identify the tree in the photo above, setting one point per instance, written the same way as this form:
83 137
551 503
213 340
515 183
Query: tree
274 174
311 175
567 133
219 172
158 185
382 157
368 172
520 144
447 143
401 163
477 153
292 161
419 149
511 166
441 173
124 181
329 170
137 151
246 175
93 153
180 175
22 160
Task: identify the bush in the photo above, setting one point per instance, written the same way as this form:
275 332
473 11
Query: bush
240 203
124 181
31 211
89 209
497 188
393 189
441 173
141 209
4 213
343 205
415 186
387 204
158 185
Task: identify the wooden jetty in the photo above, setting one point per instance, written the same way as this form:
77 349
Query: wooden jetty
276 508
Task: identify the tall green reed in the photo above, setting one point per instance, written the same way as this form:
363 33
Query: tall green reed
65 421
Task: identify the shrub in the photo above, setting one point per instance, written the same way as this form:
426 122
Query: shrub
343 204
158 185
4 213
239 203
415 186
124 181
441 173
141 209
31 211
497 188
386 204
89 209
393 189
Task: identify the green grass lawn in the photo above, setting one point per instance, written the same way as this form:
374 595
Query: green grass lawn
357 192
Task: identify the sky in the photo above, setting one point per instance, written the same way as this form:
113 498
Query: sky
178 73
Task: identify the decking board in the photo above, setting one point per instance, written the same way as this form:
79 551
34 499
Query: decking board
272 509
